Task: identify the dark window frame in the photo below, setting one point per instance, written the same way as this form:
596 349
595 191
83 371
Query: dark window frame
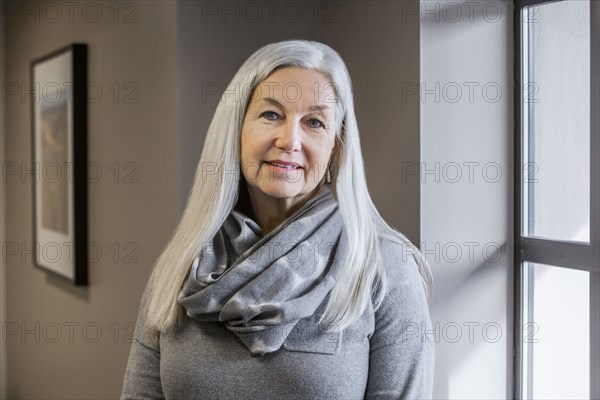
552 252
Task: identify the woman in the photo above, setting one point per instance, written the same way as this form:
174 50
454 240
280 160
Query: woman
297 287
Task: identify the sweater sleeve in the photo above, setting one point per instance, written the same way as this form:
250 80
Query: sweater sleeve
402 354
142 375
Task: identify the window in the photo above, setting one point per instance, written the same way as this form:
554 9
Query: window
557 199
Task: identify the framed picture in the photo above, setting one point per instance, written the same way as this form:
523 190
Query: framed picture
59 158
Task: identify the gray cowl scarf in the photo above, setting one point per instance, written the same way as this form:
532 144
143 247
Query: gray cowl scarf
260 286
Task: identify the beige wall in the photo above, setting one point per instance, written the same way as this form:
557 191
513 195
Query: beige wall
141 214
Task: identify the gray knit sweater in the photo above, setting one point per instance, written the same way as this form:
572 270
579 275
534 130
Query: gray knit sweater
387 354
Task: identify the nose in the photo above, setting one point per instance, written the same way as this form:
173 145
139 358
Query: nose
289 138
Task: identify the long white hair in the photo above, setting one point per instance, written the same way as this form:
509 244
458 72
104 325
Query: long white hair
216 189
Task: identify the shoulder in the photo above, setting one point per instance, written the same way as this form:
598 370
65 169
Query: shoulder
405 290
404 309
400 264
141 332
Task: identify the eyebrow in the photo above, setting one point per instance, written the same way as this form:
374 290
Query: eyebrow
318 107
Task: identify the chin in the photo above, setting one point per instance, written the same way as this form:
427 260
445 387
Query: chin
281 191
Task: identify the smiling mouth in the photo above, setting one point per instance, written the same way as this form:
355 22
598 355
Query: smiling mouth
284 166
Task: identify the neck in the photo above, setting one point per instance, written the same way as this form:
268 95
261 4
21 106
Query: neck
270 212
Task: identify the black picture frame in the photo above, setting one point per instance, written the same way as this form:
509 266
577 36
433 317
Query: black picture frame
59 159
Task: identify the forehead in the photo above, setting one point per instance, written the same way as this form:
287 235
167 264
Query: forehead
296 88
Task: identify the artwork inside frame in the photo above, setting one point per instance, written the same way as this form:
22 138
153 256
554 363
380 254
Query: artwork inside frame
59 159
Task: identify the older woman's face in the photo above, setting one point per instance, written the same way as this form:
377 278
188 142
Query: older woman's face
288 133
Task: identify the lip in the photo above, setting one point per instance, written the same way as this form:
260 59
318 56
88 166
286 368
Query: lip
286 163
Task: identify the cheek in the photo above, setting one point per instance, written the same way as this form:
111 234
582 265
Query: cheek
250 157
322 152
248 148
318 156
243 148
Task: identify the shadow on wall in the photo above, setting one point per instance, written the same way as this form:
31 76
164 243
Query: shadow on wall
461 344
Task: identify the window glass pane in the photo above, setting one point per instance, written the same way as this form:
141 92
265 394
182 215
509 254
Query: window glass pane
557 120
557 333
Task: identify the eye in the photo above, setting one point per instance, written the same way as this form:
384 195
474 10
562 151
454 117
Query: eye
270 115
318 125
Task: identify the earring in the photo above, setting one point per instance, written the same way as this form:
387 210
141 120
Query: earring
328 178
